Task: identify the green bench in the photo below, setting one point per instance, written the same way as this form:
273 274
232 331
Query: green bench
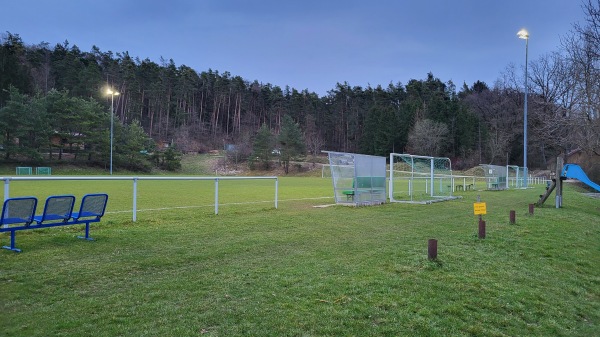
497 184
365 185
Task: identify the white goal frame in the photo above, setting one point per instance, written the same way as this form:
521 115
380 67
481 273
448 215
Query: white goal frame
432 183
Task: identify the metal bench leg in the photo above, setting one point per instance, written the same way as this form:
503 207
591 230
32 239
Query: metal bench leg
12 243
87 233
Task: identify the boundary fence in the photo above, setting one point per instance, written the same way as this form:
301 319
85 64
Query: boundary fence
135 180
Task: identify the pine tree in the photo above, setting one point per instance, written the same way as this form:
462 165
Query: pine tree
291 142
262 147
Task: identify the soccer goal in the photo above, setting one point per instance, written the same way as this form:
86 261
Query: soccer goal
516 176
22 170
420 179
43 171
325 171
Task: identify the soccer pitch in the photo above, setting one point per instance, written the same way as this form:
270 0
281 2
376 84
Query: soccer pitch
300 270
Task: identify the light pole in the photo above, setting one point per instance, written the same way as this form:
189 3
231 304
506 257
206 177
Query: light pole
112 94
523 34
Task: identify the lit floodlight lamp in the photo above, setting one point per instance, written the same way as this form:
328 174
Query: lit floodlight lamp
523 34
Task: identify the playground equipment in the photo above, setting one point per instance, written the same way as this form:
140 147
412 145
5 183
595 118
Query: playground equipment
574 171
569 171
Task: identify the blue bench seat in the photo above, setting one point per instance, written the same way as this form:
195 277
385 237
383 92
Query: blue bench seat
19 214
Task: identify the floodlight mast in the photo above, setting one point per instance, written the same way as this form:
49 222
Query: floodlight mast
524 34
112 94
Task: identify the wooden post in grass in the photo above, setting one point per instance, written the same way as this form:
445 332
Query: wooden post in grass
512 217
479 208
559 167
481 233
432 249
531 209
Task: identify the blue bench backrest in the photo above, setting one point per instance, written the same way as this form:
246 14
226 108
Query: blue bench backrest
92 205
18 211
57 208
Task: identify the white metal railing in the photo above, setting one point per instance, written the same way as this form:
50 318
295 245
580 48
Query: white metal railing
7 181
513 182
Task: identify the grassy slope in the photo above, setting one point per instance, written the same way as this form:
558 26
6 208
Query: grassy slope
298 270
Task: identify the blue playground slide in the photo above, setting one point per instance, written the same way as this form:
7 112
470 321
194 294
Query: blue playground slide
574 171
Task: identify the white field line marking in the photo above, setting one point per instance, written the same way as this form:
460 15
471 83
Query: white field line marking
213 205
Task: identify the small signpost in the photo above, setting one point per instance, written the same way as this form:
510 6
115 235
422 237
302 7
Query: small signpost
479 208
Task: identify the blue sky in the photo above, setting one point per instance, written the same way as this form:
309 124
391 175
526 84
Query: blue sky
308 44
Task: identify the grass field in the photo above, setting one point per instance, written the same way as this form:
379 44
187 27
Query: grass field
254 270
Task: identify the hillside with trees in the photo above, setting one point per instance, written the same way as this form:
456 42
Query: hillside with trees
54 107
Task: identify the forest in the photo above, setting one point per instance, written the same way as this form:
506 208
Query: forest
54 106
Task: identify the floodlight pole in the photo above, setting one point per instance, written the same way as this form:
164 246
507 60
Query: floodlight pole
523 34
112 116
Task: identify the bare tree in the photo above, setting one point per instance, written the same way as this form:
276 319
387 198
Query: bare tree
427 137
314 141
553 85
583 49
500 110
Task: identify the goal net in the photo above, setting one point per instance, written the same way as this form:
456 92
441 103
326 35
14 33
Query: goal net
43 171
516 176
21 170
420 179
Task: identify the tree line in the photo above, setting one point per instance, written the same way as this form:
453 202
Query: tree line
167 104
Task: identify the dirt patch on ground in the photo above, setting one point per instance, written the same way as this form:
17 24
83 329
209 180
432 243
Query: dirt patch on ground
473 171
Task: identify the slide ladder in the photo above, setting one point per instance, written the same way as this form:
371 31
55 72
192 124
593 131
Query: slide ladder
545 196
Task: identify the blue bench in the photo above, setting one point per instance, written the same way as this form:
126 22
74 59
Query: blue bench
19 214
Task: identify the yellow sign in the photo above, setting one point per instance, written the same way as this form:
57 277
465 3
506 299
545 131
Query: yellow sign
479 208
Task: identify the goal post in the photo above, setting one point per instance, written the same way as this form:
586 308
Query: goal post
43 171
23 170
420 179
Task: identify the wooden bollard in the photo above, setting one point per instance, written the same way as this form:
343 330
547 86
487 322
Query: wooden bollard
432 249
481 229
531 209
512 217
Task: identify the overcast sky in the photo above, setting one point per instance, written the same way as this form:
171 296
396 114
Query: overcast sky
308 44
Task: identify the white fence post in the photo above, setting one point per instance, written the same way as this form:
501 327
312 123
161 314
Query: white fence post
135 181
6 188
276 191
216 195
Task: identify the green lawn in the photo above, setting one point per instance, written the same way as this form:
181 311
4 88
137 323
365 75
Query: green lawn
254 270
